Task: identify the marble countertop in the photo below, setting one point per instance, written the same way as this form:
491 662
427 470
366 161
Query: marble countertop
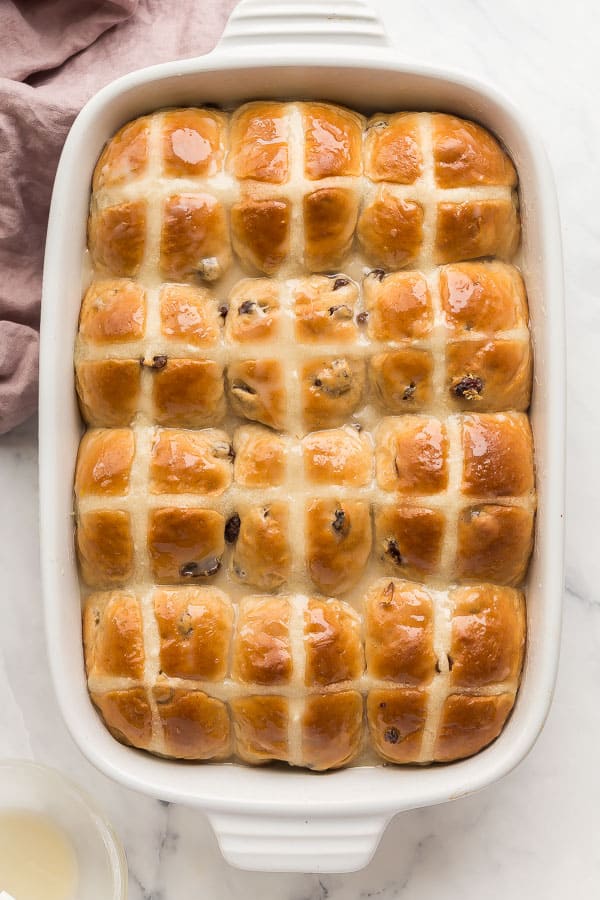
534 834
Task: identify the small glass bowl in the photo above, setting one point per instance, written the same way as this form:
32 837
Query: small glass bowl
29 787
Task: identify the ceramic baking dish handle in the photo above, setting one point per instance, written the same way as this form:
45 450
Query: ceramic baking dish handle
301 22
279 843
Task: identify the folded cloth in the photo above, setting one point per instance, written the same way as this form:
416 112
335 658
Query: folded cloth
55 55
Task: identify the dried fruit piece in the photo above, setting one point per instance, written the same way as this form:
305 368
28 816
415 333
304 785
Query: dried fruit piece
340 312
393 551
204 569
335 378
158 362
340 283
339 523
470 387
391 735
409 391
232 528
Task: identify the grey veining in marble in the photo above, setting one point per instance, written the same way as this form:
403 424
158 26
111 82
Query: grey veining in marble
535 834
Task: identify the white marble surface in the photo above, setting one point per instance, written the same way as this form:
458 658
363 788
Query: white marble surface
535 834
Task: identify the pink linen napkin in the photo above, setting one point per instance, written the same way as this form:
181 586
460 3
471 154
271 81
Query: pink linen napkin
54 55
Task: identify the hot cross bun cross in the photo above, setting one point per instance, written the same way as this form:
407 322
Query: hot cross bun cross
149 354
299 167
148 504
160 197
437 189
456 339
305 499
445 667
433 499
290 678
456 498
280 682
297 180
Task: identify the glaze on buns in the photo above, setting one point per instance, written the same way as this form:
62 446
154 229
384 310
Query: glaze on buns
305 498
291 678
297 181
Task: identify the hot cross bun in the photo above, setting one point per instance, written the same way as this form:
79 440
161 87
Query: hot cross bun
305 501
288 677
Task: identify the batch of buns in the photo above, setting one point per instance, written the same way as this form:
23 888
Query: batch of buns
305 498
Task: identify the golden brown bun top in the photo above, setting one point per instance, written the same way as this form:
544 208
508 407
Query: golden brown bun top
259 142
261 134
194 240
331 729
261 553
338 543
498 455
254 311
195 627
393 148
451 500
127 715
113 310
190 462
477 227
412 455
262 652
409 631
469 723
466 154
483 297
333 137
283 182
399 306
399 629
331 390
438 671
324 310
409 540
488 635
184 544
104 462
113 636
193 142
189 313
476 638
260 457
105 548
193 725
125 156
385 324
260 231
340 456
117 237
332 643
257 391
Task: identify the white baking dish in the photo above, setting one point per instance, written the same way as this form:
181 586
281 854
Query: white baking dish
271 818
